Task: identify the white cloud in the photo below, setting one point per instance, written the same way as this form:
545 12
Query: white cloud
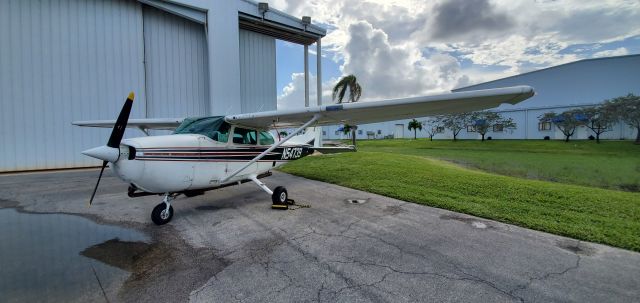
620 51
383 42
387 71
292 95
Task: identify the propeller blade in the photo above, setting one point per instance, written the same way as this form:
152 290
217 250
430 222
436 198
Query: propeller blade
116 136
121 123
104 164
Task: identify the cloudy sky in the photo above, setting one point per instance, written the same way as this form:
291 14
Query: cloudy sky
401 48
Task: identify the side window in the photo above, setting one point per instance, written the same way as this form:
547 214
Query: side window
222 134
266 138
244 136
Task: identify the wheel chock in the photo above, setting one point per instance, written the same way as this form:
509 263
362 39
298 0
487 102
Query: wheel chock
280 206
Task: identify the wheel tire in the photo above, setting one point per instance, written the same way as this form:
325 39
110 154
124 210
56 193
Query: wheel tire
280 196
159 215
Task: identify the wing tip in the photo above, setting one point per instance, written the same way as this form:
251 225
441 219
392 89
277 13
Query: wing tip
526 92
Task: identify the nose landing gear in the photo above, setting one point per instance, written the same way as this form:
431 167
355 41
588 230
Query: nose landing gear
163 212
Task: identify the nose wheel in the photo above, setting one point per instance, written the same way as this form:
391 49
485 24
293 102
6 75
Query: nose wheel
163 212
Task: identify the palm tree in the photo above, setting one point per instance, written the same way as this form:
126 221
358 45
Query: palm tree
355 91
340 89
416 126
346 129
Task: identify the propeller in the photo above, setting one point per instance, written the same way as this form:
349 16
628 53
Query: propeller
114 140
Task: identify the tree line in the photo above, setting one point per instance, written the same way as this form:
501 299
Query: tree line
599 119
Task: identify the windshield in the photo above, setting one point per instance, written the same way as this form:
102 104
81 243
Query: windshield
213 127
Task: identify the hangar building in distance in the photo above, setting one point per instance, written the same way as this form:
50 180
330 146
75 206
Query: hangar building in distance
558 88
70 60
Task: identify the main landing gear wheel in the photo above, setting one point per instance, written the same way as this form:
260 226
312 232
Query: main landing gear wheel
280 198
160 215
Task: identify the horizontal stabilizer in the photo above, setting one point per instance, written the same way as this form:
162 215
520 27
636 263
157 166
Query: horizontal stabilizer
162 123
335 149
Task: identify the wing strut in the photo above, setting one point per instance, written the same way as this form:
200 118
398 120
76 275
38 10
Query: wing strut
270 149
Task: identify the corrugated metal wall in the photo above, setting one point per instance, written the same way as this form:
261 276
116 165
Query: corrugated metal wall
70 60
64 60
257 72
176 65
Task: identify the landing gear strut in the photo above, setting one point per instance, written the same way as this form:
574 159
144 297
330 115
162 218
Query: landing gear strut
163 212
279 195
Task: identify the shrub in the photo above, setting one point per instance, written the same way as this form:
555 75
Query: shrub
547 138
591 137
489 138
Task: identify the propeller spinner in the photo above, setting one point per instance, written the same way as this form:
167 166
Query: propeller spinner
111 151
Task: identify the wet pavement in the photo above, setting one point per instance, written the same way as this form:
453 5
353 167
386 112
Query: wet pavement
229 245
43 259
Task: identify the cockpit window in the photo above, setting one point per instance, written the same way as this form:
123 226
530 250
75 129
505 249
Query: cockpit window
266 138
213 127
244 136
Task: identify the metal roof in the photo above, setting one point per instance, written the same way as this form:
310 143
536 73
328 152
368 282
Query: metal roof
273 22
277 24
545 69
277 30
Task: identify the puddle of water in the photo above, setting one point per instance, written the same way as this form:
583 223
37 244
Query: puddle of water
41 260
577 247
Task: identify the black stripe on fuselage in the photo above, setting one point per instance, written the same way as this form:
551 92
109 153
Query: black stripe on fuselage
281 154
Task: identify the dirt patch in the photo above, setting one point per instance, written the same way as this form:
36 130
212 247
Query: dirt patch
166 270
121 254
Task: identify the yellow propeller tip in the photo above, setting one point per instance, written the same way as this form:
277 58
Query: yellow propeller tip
131 96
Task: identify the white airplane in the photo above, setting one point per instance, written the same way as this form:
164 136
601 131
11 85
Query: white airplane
209 153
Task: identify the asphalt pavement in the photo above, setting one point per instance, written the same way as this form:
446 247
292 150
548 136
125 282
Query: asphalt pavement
229 245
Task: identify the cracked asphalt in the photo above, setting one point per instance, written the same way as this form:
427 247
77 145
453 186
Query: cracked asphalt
229 245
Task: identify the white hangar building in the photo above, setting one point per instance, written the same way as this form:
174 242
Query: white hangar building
69 60
558 88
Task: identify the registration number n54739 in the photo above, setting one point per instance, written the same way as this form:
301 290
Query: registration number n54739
291 153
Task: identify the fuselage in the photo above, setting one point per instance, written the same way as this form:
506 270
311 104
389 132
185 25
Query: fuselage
180 162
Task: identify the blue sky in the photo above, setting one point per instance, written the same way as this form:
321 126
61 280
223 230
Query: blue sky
290 59
401 48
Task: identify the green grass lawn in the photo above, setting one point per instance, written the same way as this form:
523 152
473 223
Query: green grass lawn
611 164
606 216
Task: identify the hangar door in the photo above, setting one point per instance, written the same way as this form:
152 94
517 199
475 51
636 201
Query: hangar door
63 61
71 60
176 69
257 72
398 131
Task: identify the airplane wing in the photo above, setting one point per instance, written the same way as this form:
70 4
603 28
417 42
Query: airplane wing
385 110
164 123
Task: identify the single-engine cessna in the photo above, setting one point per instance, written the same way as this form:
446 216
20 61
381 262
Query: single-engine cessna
208 153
